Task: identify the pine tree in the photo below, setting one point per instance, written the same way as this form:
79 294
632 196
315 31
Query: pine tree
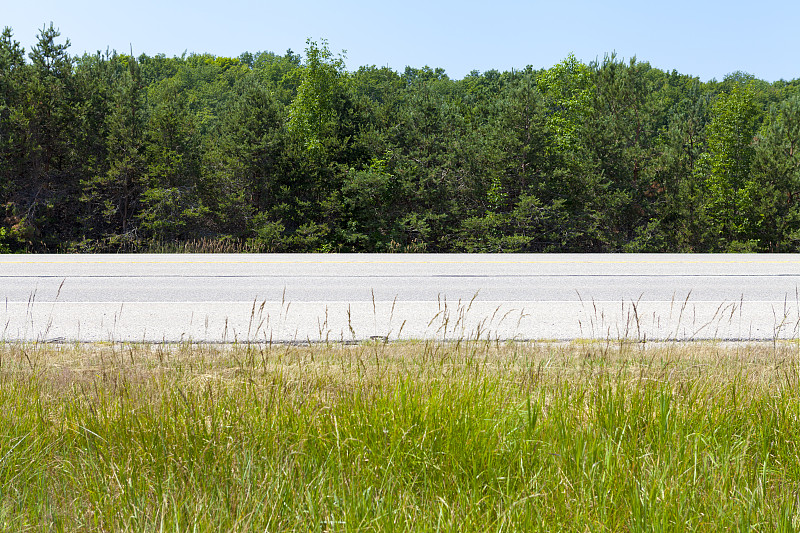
114 195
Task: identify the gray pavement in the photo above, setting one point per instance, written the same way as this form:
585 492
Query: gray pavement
284 297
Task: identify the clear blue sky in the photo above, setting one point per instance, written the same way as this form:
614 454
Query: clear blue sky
705 38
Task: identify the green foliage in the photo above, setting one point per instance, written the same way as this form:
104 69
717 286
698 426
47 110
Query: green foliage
252 141
172 200
726 165
569 93
530 227
368 199
17 234
278 73
312 113
114 193
279 152
776 170
49 57
5 247
679 146
168 213
13 127
268 235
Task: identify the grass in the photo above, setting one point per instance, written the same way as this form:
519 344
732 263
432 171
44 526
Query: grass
469 436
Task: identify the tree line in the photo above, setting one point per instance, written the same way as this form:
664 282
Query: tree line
267 152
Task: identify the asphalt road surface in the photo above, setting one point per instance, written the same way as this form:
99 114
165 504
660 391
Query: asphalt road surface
284 297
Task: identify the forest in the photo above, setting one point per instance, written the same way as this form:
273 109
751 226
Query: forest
294 153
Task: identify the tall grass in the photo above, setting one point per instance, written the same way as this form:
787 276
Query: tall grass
129 243
470 436
208 246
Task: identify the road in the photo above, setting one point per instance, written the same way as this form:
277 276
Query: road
285 297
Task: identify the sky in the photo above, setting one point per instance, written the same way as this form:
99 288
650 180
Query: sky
704 38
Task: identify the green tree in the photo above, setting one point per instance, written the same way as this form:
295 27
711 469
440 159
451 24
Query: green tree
53 165
13 125
524 199
277 73
575 181
52 122
250 151
433 161
114 195
725 166
312 115
618 136
678 147
369 208
172 206
569 92
776 170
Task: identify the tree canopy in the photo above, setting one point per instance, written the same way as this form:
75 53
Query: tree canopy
293 152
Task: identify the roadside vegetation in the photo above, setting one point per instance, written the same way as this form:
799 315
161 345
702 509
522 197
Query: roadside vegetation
293 152
457 436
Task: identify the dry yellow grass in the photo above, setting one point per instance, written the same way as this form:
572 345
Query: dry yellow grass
355 366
